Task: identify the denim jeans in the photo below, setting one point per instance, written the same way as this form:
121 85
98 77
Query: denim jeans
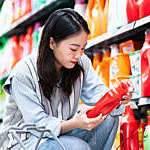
99 138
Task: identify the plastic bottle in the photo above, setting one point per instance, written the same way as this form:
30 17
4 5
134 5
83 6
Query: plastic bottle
96 60
145 67
117 16
144 8
103 71
110 100
133 6
80 7
15 51
128 130
35 36
28 41
114 70
119 65
97 17
3 41
146 139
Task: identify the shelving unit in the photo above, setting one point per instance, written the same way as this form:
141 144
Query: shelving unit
132 30
119 35
19 26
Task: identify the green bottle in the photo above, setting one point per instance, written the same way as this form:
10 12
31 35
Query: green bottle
146 139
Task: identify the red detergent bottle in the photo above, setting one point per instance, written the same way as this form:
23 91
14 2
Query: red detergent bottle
132 10
128 130
145 67
145 8
111 99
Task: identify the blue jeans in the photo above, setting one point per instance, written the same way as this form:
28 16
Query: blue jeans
99 138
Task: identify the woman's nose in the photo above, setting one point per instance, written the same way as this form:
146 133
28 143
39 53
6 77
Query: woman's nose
79 54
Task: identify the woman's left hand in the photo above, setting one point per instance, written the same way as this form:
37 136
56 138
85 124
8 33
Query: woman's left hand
127 98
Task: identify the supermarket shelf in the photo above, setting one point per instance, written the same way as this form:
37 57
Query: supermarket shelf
19 26
123 33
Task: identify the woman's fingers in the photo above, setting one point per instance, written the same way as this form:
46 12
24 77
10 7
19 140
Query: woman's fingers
127 98
96 121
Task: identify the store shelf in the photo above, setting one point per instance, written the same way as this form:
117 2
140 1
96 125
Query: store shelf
20 25
125 32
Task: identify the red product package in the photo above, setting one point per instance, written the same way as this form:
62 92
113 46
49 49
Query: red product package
111 99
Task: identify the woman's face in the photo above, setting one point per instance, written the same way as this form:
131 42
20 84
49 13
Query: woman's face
68 52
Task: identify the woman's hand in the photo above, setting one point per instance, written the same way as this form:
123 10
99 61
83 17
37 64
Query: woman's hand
127 98
87 123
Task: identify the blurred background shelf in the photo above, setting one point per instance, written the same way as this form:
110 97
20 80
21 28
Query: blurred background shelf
41 14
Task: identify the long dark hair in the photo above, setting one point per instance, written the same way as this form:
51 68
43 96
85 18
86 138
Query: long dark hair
60 24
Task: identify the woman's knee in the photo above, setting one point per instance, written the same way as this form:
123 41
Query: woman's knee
69 142
111 120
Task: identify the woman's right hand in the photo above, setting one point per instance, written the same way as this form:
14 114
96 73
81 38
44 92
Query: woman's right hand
82 121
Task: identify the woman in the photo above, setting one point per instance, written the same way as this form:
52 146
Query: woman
45 90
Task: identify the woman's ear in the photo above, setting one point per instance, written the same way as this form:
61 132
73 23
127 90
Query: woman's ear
52 43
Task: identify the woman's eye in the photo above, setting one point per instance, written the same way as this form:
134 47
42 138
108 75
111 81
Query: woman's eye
74 50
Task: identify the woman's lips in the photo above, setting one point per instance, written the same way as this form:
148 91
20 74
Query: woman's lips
74 62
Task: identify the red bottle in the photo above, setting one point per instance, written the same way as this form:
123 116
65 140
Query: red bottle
145 67
128 130
132 10
144 8
110 100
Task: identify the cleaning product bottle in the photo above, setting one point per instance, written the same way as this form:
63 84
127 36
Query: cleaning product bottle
117 16
145 67
28 44
15 50
111 99
35 36
114 70
133 6
103 71
80 7
146 139
96 60
3 41
144 8
128 130
119 65
97 17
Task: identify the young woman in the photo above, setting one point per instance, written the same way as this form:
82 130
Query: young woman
45 88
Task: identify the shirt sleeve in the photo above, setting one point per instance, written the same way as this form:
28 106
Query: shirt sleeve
26 98
92 88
